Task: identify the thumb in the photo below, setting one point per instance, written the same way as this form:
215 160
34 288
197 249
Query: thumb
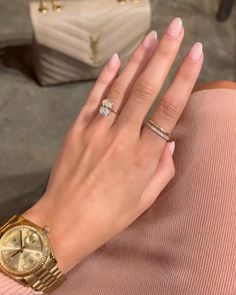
165 171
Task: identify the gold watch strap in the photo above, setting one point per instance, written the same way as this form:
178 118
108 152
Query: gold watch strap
47 279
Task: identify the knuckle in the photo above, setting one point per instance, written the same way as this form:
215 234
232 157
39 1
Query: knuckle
117 148
167 109
142 158
84 117
185 75
139 161
91 101
165 52
143 90
120 135
91 136
117 90
137 56
102 79
71 139
89 144
118 142
89 141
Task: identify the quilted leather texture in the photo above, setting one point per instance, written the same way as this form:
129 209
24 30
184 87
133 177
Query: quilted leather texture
75 43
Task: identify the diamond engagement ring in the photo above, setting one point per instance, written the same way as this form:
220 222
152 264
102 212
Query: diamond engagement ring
107 107
158 130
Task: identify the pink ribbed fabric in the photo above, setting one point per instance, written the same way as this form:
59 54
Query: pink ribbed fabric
185 244
11 287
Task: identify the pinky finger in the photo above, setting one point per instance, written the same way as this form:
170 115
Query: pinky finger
99 91
165 171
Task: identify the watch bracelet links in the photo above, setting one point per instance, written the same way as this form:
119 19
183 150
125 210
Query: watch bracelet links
47 279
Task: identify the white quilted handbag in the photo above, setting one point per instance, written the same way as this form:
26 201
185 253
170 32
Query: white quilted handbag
73 39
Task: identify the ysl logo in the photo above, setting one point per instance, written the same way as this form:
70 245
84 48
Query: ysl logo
94 47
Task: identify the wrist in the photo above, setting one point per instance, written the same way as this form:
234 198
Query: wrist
41 215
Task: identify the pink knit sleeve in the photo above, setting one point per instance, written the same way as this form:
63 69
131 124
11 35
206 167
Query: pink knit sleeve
11 287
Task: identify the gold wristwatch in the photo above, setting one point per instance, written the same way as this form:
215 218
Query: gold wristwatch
26 255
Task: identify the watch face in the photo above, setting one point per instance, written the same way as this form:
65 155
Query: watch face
23 249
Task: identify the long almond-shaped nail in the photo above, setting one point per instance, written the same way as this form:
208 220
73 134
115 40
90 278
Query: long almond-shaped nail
175 28
113 61
195 52
150 40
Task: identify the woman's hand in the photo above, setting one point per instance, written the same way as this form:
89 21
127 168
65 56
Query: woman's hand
111 169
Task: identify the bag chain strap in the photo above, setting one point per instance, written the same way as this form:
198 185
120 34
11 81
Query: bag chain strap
43 7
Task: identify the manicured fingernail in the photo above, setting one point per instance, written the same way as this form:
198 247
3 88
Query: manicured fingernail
175 28
150 40
172 147
113 61
195 52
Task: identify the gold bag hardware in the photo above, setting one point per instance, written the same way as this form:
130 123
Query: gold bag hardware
126 1
76 43
57 7
43 8
94 41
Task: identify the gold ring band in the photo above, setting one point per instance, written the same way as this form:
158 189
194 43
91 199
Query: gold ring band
117 113
158 130
158 127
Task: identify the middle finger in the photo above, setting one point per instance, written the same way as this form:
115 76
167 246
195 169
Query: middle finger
152 78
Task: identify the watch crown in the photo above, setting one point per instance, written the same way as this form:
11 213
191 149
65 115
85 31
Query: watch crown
46 229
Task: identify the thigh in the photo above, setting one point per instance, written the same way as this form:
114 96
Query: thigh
221 84
186 242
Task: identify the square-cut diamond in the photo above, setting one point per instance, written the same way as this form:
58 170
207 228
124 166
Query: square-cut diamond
107 103
104 111
106 107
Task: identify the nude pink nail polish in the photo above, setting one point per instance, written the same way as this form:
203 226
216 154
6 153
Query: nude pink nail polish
175 28
150 40
172 147
195 52
113 61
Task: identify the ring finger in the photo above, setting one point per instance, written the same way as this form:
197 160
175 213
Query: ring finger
173 102
122 86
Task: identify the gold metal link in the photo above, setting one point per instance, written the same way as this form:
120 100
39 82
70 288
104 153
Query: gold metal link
48 279
49 283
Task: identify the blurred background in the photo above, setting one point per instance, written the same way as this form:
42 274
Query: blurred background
34 119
